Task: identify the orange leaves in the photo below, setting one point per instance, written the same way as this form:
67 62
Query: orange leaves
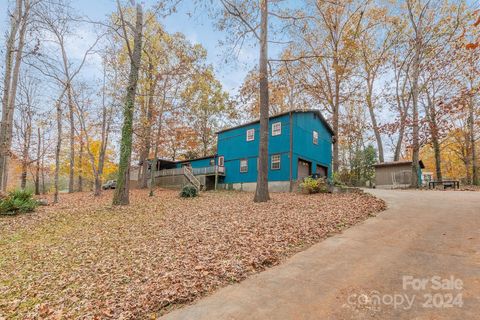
472 46
89 260
477 22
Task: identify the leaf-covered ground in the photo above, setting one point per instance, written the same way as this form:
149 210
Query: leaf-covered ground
84 258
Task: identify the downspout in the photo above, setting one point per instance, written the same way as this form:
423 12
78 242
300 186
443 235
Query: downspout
291 150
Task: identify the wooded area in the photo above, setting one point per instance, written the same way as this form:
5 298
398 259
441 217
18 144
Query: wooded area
395 79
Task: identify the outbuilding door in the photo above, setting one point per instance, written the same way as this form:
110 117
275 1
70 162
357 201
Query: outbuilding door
304 169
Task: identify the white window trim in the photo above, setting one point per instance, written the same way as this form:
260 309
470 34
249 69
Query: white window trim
246 167
276 129
221 161
315 137
252 133
272 162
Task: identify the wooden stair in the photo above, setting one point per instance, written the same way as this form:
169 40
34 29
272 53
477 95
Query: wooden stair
191 177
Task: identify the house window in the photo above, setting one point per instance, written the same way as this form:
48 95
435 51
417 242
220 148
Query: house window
243 165
275 165
250 134
276 129
212 162
221 161
315 137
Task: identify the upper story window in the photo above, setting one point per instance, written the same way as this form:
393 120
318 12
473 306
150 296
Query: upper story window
315 137
275 162
212 162
276 129
221 161
243 165
250 134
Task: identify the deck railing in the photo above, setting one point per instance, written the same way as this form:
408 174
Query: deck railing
169 172
195 171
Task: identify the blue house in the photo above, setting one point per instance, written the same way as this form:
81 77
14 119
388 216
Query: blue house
299 144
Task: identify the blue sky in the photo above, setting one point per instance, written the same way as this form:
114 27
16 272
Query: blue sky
198 27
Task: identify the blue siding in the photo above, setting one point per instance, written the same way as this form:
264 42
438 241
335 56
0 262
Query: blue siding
233 145
303 146
196 163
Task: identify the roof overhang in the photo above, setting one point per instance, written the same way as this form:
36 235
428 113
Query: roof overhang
317 112
398 163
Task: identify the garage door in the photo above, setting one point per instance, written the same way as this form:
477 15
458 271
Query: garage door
303 169
321 170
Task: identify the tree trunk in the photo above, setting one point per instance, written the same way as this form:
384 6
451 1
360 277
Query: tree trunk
155 152
121 196
431 115
37 169
376 130
398 145
80 166
335 115
415 183
44 190
71 177
467 161
10 85
403 118
471 129
58 148
157 136
89 150
261 192
25 151
415 135
104 142
147 130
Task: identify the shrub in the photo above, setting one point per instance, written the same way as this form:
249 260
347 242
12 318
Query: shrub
338 180
310 185
18 201
322 185
188 191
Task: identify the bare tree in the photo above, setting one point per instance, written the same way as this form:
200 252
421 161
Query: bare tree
432 27
57 19
375 48
26 101
243 19
328 48
13 59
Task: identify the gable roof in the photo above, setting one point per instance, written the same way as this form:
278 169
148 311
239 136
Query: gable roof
317 112
399 163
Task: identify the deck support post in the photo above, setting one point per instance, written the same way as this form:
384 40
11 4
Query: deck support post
216 177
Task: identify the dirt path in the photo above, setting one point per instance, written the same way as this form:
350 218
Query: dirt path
389 267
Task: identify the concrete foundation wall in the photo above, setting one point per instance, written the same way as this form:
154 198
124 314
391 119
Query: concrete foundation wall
273 186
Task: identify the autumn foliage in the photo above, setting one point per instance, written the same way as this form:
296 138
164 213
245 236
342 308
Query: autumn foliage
83 259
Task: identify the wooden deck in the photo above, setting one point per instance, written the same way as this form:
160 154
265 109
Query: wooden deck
204 171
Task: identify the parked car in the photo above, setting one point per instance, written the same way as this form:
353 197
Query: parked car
110 184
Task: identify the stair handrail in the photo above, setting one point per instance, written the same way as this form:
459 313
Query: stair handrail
191 177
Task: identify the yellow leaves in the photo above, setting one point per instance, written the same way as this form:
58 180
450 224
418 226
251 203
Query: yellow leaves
452 164
85 167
